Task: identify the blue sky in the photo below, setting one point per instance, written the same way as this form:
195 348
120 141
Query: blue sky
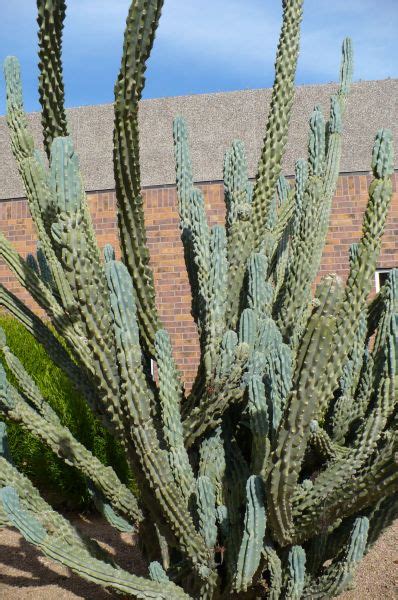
203 45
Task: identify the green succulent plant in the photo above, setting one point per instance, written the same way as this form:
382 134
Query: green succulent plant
277 472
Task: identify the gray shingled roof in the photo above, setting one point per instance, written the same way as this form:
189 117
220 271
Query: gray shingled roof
214 120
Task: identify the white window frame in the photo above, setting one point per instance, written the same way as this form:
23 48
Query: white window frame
377 277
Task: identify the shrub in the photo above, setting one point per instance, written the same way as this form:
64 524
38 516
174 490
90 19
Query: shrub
64 484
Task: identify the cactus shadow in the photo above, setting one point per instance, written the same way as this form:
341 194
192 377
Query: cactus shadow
24 568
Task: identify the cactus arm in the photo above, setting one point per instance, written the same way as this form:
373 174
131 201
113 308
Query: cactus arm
259 425
279 116
269 166
282 232
225 391
253 534
184 176
331 163
338 576
69 197
170 393
204 255
352 483
273 564
106 510
150 462
275 365
43 206
31 500
321 443
236 476
82 562
50 18
355 385
311 235
39 264
214 326
388 310
328 364
296 573
212 463
374 309
379 476
142 21
295 293
184 182
260 291
37 289
72 235
238 196
207 510
201 248
22 144
286 213
157 573
294 430
301 175
334 128
346 410
237 189
33 172
240 232
206 262
362 269
73 238
31 281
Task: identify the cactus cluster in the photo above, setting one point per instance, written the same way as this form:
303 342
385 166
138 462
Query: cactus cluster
277 471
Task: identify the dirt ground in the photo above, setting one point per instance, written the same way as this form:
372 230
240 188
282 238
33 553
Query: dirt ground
25 574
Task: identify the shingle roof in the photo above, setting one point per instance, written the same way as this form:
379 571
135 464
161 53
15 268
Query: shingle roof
214 120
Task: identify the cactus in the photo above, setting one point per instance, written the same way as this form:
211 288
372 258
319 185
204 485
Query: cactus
277 472
253 534
296 573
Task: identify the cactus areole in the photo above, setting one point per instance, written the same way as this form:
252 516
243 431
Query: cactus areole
277 472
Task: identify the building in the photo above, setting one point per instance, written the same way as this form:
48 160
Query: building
214 120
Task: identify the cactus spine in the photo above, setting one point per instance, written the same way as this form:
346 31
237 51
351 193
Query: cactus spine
277 472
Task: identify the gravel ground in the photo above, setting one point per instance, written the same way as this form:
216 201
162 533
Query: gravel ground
25 574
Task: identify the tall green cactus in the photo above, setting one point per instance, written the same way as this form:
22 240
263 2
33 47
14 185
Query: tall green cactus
277 472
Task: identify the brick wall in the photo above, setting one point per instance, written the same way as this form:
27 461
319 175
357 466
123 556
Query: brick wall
173 295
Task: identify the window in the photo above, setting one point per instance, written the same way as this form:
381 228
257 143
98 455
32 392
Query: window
380 278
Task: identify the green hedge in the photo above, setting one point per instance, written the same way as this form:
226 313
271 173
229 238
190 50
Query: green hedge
61 484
